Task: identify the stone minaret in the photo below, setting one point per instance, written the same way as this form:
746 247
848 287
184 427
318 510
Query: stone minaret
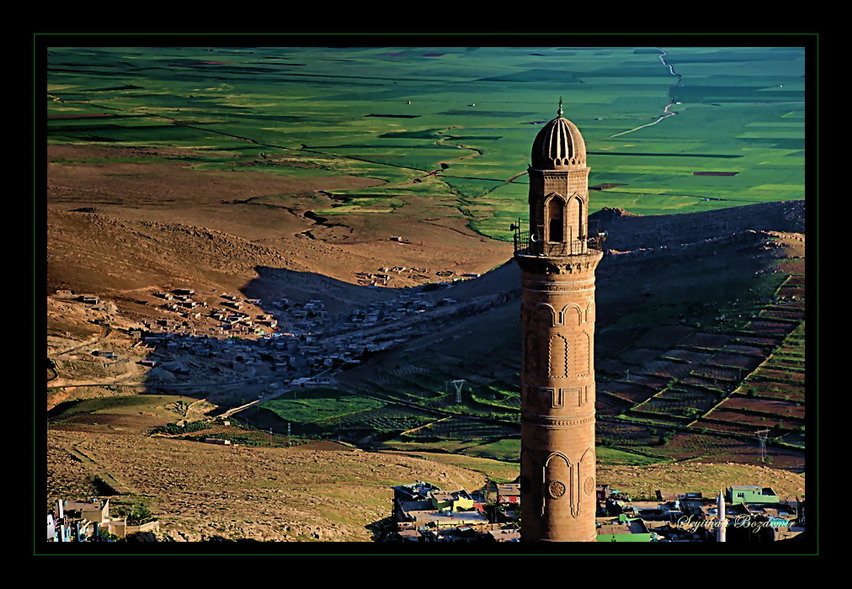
557 261
723 521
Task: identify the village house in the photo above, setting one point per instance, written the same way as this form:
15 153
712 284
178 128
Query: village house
218 441
78 521
626 529
505 493
89 520
751 494
424 513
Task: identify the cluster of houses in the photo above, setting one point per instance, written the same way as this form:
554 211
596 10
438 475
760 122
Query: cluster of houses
279 356
424 513
230 314
306 341
286 340
385 275
90 521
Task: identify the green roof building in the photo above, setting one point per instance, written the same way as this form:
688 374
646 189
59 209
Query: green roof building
751 494
625 529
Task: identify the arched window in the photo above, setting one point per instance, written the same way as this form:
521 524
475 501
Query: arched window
575 217
556 219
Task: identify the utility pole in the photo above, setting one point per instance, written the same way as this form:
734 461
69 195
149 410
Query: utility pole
761 438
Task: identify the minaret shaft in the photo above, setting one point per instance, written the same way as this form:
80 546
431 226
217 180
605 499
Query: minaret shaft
558 478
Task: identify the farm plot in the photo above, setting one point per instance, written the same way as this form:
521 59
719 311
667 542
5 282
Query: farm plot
725 427
713 341
667 369
607 404
760 352
748 422
124 414
784 364
688 355
620 434
667 406
663 337
767 407
782 376
682 401
766 341
792 290
463 428
507 450
608 365
617 456
320 404
403 388
778 374
654 419
650 381
497 398
745 363
639 356
783 313
765 327
718 449
717 374
627 391
383 420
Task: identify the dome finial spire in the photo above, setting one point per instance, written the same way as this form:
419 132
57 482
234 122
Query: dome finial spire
559 112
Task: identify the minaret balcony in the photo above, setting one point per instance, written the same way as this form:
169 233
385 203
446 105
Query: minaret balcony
526 245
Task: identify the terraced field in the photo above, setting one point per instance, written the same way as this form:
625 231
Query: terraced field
698 387
723 381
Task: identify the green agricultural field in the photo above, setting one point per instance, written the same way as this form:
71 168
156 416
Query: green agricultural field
614 456
318 405
466 114
507 450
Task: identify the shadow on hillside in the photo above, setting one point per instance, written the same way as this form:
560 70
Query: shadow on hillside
286 334
256 341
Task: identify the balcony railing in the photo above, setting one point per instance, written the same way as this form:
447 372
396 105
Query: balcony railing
535 246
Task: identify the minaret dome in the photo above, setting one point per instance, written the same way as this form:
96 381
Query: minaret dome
558 146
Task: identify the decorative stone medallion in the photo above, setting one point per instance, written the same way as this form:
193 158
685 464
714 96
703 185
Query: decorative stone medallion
556 489
589 485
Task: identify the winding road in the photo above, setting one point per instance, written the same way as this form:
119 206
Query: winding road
666 113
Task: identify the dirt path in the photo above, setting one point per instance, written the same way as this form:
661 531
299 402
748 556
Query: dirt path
97 471
105 331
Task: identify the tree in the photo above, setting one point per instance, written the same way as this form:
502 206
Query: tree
137 514
104 536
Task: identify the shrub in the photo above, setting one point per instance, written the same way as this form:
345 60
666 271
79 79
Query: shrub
137 514
175 429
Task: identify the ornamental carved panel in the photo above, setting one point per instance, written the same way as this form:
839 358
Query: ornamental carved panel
557 480
558 356
583 353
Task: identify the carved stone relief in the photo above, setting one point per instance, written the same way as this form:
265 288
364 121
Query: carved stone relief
557 365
